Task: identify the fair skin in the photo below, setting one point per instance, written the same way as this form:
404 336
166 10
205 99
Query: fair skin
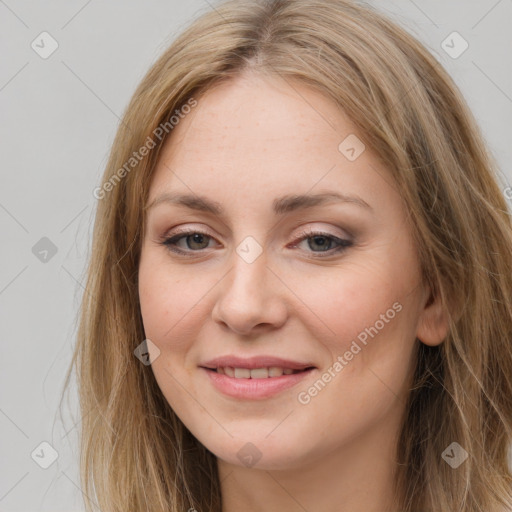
248 142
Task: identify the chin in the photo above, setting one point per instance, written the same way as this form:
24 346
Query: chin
278 453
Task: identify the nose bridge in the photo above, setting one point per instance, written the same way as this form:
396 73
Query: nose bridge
249 270
248 279
247 296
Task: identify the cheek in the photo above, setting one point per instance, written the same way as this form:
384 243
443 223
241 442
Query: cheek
169 308
365 312
173 299
367 331
344 301
166 298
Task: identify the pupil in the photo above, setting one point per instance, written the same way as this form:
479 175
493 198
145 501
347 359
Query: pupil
323 241
197 238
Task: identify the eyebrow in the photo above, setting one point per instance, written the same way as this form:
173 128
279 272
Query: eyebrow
280 205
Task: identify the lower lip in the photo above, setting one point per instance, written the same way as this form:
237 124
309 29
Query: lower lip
254 388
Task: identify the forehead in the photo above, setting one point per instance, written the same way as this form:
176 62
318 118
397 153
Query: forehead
257 118
260 136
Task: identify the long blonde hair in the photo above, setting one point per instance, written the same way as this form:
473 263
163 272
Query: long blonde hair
135 452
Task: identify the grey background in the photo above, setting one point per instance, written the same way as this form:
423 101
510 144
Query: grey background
59 117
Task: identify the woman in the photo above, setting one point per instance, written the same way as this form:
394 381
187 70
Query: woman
299 295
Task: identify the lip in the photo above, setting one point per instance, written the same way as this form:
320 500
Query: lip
255 362
254 389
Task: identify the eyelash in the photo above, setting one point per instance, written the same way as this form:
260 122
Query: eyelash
169 242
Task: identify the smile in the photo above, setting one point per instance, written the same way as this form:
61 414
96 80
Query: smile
254 383
255 373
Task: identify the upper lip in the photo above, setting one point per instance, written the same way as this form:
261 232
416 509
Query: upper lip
255 362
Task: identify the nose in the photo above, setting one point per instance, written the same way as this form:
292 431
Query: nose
250 297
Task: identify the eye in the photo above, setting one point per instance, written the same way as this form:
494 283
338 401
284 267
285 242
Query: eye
324 241
195 241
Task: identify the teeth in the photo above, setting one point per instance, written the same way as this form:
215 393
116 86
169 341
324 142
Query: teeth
242 373
255 373
275 371
259 373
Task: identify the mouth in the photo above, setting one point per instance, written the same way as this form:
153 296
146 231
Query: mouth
258 382
256 373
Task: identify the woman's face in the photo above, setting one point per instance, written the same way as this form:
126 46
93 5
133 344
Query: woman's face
322 282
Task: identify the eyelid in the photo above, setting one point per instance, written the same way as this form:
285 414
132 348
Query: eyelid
311 231
187 230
